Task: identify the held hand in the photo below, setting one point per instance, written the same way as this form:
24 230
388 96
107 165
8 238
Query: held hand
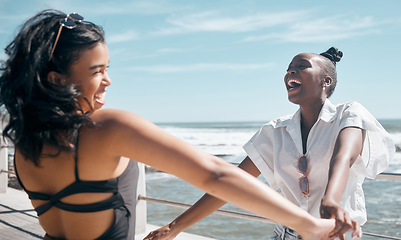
163 233
320 230
344 223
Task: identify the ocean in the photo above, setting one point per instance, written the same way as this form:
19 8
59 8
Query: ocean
225 140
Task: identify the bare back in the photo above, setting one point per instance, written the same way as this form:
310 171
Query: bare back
56 173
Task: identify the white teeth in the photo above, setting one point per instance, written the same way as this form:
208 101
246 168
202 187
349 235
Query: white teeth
100 97
293 82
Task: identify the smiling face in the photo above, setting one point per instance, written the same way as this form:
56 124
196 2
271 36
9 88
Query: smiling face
89 74
304 79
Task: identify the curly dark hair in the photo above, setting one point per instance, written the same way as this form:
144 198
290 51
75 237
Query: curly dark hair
41 111
331 56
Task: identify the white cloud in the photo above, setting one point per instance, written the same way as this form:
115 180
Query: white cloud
198 67
320 30
215 22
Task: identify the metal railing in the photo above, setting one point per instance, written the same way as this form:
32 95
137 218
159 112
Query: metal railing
244 215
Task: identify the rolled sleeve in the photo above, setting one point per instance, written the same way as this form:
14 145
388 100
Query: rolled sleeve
260 150
378 148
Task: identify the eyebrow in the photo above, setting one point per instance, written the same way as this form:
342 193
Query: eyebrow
300 60
96 66
303 60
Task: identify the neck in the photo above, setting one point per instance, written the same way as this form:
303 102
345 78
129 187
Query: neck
310 114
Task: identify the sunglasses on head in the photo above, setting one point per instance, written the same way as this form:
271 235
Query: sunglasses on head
304 169
69 22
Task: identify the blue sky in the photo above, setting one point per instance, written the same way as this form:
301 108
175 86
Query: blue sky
221 60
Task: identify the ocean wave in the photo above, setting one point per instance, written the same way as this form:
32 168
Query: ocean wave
226 140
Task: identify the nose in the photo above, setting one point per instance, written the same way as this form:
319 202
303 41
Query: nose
289 72
106 80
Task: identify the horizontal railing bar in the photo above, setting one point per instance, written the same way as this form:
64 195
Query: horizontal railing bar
9 172
238 214
17 211
393 176
220 211
7 147
380 236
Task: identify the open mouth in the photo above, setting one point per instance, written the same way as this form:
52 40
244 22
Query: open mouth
293 84
100 98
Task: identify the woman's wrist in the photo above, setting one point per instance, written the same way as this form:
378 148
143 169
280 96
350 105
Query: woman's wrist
315 228
176 227
328 200
307 225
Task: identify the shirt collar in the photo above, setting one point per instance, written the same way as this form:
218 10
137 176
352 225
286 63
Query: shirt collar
328 111
327 114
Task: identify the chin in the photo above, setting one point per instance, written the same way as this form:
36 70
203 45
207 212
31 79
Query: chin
293 100
97 106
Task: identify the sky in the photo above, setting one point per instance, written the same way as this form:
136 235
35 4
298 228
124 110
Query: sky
224 60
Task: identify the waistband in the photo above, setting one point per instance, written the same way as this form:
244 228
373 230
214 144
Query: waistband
286 233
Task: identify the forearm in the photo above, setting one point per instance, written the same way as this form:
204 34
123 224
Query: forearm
201 209
338 177
348 146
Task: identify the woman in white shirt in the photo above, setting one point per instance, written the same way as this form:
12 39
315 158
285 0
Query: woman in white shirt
318 157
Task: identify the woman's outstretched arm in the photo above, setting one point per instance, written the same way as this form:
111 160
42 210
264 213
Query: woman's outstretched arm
132 136
201 209
346 150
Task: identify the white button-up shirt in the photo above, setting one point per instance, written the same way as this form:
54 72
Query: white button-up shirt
277 146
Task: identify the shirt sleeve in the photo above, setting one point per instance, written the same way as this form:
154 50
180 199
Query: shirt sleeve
260 150
378 148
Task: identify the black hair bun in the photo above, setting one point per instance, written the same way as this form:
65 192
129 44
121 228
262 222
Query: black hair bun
333 54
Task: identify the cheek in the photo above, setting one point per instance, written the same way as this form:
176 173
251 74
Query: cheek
87 92
89 87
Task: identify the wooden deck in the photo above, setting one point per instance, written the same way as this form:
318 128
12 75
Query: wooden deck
19 221
17 218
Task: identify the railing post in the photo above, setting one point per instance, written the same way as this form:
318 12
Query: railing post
141 211
3 163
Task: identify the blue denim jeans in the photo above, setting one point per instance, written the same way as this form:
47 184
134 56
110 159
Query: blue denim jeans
284 233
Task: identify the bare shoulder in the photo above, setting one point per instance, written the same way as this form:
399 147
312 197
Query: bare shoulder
115 119
112 115
119 128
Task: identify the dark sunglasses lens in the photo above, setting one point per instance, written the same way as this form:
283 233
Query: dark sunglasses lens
76 17
68 23
304 185
303 164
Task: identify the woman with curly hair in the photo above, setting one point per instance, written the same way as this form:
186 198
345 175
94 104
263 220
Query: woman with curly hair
73 158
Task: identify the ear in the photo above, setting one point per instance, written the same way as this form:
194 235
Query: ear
327 81
56 78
